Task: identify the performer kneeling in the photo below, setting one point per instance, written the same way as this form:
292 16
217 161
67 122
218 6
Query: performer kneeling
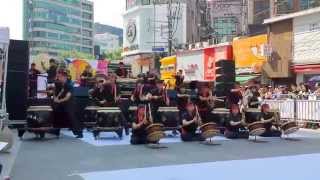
268 118
190 122
139 133
235 125
63 105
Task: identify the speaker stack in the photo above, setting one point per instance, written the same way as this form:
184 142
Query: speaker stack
225 76
17 79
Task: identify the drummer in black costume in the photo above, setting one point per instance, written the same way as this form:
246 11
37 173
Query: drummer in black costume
158 98
268 118
103 95
235 126
182 99
63 107
190 123
141 122
206 104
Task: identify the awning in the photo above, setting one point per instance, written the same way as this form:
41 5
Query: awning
245 79
311 68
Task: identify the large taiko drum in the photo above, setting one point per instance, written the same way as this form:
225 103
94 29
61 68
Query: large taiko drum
209 130
289 127
256 128
155 132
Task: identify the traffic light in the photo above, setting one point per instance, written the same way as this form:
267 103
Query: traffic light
225 76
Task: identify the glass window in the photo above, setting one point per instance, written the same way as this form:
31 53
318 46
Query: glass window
86 16
87 24
53 36
87 33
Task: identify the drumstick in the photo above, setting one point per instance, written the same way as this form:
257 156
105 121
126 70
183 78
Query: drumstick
150 114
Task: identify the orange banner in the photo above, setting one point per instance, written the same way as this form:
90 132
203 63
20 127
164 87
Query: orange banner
249 53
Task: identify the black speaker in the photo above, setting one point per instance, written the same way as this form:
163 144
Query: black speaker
225 71
17 79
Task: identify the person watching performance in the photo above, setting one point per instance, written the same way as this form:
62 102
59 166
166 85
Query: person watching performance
122 71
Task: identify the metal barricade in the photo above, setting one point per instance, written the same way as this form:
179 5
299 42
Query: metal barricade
286 107
308 110
300 110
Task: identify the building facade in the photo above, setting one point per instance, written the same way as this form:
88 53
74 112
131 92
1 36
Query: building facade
295 40
258 11
281 7
227 19
146 32
52 26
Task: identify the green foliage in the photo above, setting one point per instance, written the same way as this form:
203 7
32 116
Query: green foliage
113 55
74 54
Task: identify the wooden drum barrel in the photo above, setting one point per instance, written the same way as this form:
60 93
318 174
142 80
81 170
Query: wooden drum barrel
289 127
209 130
155 132
256 128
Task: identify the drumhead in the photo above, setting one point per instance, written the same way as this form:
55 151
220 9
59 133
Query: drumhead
208 124
257 132
291 130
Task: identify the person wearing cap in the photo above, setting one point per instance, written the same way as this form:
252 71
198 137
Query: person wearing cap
52 70
268 118
235 125
63 106
33 80
122 71
190 123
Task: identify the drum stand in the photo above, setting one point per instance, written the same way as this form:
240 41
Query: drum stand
156 146
286 137
255 140
210 142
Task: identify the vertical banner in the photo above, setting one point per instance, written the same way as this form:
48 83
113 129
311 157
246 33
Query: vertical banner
102 67
209 64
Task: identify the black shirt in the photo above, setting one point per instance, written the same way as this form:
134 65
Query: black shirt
105 94
234 97
233 118
61 90
158 102
52 72
267 116
121 72
253 101
191 128
33 75
182 102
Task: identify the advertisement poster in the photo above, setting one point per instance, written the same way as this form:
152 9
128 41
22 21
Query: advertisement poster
192 65
249 54
209 64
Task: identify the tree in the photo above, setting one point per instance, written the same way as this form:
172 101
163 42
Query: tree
113 55
74 54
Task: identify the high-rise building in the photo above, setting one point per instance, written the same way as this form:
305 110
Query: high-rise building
228 19
281 7
258 11
52 26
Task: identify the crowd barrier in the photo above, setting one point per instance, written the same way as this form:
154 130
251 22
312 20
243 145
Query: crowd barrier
300 110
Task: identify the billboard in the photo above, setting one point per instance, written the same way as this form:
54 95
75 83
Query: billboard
249 54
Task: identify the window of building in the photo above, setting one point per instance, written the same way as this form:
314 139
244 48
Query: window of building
87 16
87 50
87 24
87 42
54 36
39 34
87 33
284 6
224 26
87 7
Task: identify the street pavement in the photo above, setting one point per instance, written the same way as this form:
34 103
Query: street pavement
68 158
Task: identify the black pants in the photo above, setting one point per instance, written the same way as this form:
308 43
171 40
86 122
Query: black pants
236 134
64 117
138 139
188 137
271 133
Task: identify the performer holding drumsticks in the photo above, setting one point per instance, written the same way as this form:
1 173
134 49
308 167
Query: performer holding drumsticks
235 126
268 118
206 103
142 121
191 120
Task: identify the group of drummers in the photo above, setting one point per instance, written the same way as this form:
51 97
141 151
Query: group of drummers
195 108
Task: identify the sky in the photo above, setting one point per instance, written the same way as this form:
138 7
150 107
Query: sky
106 12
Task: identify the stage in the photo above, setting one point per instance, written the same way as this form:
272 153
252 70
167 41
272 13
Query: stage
68 158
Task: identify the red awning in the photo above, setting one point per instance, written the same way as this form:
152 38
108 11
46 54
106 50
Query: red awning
310 68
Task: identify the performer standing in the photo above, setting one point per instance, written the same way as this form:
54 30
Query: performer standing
33 80
52 71
235 126
63 107
182 99
190 122
86 76
206 104
268 118
158 98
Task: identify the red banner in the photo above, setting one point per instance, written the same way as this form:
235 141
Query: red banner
209 64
